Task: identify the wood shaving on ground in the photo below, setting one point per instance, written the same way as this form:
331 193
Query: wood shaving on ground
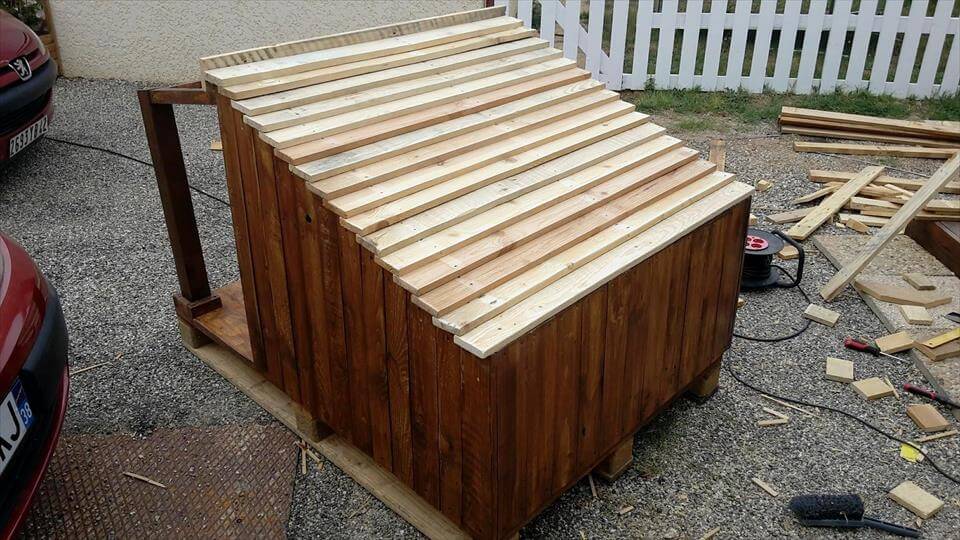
710 534
765 486
626 509
593 487
937 436
88 368
142 478
788 405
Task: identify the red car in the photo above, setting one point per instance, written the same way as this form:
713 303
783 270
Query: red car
34 381
26 86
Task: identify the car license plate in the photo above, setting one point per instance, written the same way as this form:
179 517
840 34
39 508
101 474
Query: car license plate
15 419
24 138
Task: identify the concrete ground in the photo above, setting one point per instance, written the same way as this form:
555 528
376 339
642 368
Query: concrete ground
93 223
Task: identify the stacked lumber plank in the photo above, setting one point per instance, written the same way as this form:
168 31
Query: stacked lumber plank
493 179
904 138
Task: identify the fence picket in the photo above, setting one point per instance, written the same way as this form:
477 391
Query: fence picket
761 48
788 36
818 69
711 59
688 49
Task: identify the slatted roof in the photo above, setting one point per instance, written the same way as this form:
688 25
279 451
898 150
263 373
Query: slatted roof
495 180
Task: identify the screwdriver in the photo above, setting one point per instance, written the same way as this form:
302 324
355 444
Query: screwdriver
851 343
929 394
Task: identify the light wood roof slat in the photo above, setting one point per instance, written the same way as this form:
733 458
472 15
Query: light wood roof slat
431 197
499 331
276 93
535 277
496 161
471 131
474 283
286 65
324 108
491 233
409 230
348 38
341 142
317 129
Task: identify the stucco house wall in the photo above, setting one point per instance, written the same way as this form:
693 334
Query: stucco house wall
161 40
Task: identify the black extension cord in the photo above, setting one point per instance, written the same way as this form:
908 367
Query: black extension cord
135 160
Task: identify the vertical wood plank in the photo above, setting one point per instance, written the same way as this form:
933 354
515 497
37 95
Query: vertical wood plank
811 46
665 44
398 372
351 286
340 401
788 36
732 247
679 277
858 50
706 351
698 318
619 300
423 398
655 361
373 309
509 438
289 193
639 345
480 412
450 410
884 53
545 379
568 371
315 298
238 212
276 271
761 48
592 333
255 217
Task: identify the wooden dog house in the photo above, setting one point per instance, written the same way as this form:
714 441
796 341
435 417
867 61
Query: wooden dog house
468 272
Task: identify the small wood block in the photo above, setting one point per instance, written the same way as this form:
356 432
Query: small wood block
706 384
772 422
216 146
791 216
947 350
821 315
617 461
765 486
894 343
764 185
839 370
872 388
915 499
917 315
788 252
927 418
753 220
855 224
740 302
919 281
942 339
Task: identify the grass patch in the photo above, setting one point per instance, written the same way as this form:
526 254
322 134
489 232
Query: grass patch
697 123
752 108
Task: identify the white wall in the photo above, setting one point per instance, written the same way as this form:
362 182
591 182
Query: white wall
161 40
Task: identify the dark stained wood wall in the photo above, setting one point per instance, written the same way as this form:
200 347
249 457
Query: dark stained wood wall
489 442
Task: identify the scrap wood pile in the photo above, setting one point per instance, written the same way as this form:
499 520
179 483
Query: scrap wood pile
448 151
905 138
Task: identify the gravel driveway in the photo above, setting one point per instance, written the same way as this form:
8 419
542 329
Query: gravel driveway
93 222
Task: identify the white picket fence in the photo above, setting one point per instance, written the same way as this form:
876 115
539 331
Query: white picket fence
857 38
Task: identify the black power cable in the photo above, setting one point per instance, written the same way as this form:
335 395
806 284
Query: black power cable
788 336
135 160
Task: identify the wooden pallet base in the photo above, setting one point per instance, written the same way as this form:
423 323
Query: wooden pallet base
379 483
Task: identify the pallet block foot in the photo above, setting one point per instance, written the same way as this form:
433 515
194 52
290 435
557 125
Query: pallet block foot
191 336
617 462
706 384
